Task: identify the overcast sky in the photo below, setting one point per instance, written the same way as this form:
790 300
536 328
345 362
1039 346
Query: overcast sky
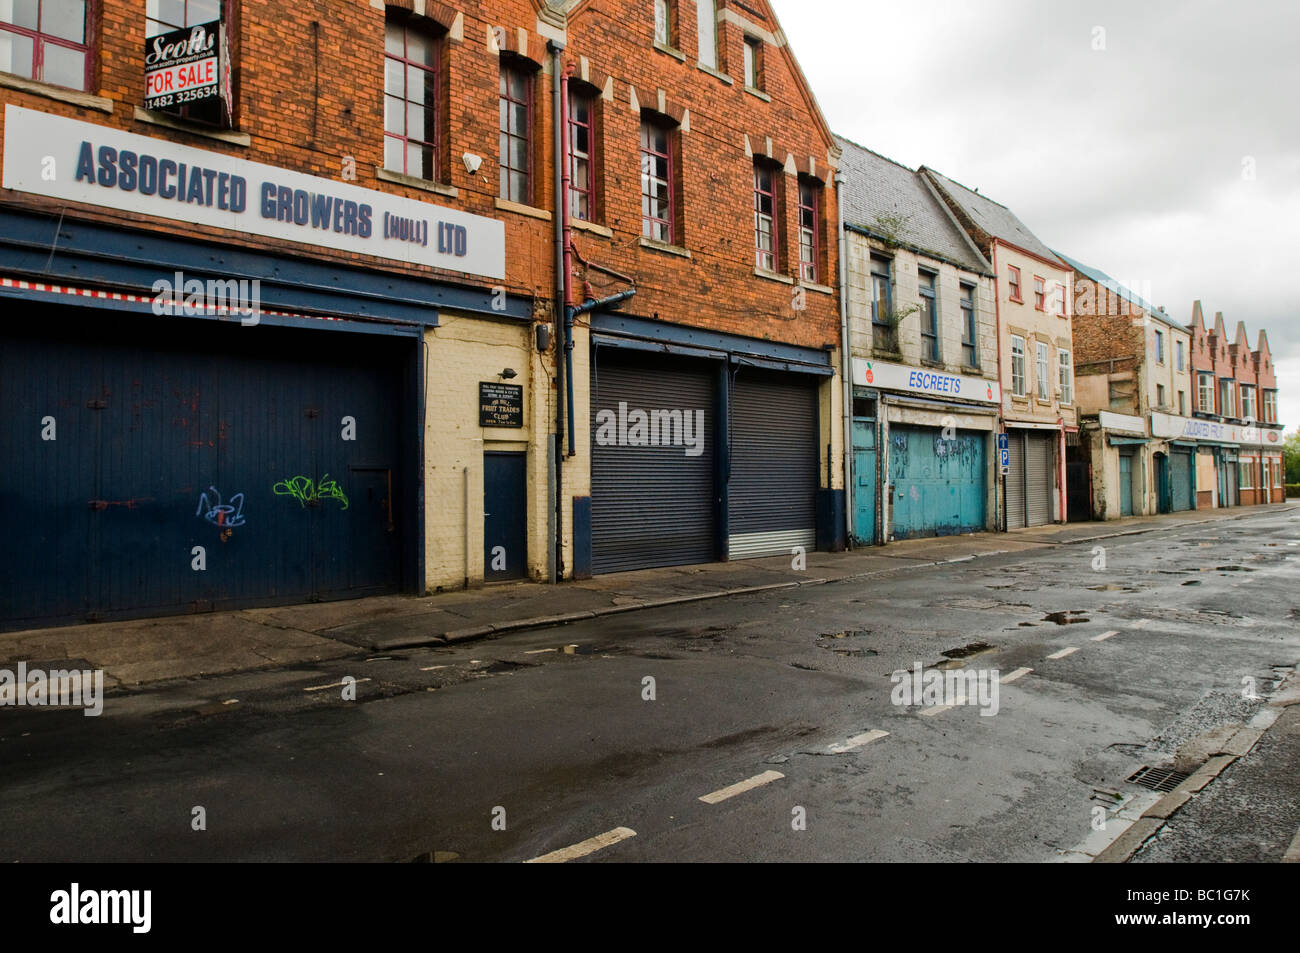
1134 158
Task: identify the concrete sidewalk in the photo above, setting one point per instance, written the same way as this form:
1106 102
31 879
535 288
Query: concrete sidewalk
146 650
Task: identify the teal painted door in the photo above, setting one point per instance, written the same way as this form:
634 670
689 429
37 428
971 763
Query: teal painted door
1125 483
937 486
1181 495
864 481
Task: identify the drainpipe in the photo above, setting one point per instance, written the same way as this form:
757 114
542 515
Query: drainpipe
846 365
561 297
568 244
1000 504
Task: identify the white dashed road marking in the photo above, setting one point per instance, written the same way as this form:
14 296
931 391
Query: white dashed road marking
1105 635
1064 652
589 846
857 741
740 787
1018 673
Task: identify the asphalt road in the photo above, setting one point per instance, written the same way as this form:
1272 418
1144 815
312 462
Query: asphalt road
510 749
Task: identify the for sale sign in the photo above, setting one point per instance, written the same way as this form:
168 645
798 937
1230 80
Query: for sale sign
183 66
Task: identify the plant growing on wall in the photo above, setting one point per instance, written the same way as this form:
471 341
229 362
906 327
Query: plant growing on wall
886 327
892 228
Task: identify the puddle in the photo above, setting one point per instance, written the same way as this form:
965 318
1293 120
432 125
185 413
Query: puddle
1112 587
846 634
1066 618
1233 569
1192 582
853 653
967 650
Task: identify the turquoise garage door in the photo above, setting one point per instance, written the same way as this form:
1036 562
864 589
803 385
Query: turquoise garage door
937 486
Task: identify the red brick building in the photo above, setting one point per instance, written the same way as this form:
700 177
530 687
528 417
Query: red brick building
282 272
1235 387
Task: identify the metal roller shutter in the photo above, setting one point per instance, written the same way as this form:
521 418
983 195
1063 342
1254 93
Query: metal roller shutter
772 493
1038 478
937 485
651 505
178 434
1015 490
1180 480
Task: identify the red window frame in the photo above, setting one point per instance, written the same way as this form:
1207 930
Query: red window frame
1013 280
508 69
576 191
433 115
1059 301
809 241
765 260
1040 294
648 156
41 39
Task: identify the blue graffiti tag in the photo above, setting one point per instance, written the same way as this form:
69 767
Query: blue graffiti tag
225 515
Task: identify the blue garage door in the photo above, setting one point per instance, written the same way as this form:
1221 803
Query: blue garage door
937 486
194 465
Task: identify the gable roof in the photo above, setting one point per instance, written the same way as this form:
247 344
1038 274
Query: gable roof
1262 347
994 218
1106 281
1198 318
876 187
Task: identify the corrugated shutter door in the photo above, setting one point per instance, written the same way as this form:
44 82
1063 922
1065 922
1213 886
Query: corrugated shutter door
1038 478
1180 480
772 493
1016 482
651 505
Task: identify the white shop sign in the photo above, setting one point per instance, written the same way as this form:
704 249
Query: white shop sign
1193 428
76 161
923 380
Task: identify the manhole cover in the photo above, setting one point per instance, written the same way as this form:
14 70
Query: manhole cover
1159 779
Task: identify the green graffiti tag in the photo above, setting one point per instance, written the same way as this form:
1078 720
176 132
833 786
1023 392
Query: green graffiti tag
303 490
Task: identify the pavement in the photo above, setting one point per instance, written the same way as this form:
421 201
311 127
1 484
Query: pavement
137 652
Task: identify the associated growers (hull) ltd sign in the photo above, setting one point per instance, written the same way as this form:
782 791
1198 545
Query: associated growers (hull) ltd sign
76 161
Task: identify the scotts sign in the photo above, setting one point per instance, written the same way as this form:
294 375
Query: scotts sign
187 66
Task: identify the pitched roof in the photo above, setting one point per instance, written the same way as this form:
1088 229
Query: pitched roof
998 220
1106 281
878 188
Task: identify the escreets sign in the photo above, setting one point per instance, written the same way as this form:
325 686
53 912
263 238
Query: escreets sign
82 162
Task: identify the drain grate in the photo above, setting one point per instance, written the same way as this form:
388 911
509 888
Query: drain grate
1159 779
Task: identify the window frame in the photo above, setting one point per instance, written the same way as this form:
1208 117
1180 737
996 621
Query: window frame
1162 394
185 111
1248 391
406 25
809 266
1065 375
592 157
507 67
1040 294
1270 406
1204 386
752 61
927 289
969 331
1182 403
1179 354
1042 371
670 223
773 219
1013 284
1021 389
40 39
882 277
706 11
1227 398
1160 346
669 21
